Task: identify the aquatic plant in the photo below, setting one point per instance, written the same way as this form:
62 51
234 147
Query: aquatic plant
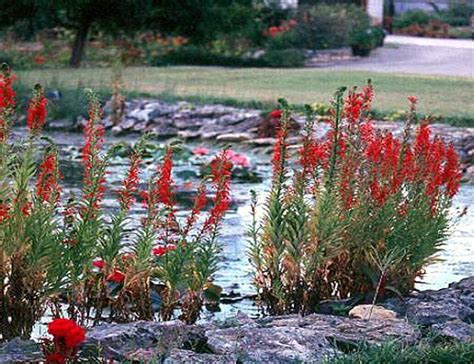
66 253
362 211
29 243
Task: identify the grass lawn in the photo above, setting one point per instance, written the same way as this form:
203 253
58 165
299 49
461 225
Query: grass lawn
448 96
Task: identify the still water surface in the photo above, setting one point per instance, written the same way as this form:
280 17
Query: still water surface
234 275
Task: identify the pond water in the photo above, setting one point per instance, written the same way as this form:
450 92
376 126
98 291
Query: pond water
234 275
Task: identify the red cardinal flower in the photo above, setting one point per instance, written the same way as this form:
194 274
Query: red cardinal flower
36 116
165 181
98 263
47 186
116 276
4 212
7 102
277 114
60 327
75 337
159 251
452 172
221 171
56 358
130 183
94 163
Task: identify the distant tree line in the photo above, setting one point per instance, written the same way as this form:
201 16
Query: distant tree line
199 20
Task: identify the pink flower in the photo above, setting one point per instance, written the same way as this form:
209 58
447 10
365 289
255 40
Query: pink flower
200 151
240 160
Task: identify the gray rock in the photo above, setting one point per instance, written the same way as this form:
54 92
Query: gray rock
164 130
246 125
61 124
139 114
20 351
190 123
188 134
231 119
270 344
117 130
178 356
262 141
457 330
209 134
140 126
128 123
448 304
119 341
234 137
350 331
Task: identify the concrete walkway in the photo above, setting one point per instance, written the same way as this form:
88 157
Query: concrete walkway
429 56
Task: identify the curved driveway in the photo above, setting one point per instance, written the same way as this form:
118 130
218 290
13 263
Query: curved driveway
430 56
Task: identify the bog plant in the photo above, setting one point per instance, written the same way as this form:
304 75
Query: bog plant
362 213
66 254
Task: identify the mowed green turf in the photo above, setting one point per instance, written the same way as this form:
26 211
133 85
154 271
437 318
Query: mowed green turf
448 96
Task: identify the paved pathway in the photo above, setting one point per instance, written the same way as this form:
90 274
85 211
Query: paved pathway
430 56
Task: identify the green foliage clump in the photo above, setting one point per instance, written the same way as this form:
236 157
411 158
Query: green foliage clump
57 252
412 17
360 215
396 353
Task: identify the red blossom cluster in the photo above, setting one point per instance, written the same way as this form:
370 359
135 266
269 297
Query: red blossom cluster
285 26
116 276
161 249
279 151
221 171
161 191
4 212
199 203
47 186
67 337
374 166
94 175
7 101
165 180
36 115
130 183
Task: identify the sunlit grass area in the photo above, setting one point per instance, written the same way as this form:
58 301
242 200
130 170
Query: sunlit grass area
448 96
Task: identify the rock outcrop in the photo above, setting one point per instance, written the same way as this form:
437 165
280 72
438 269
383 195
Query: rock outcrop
279 339
448 312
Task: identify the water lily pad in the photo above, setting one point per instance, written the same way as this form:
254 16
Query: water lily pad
212 293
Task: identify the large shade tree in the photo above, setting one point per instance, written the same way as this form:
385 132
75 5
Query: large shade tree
199 20
78 15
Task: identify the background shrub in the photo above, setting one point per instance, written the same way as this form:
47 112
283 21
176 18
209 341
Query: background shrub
412 17
328 26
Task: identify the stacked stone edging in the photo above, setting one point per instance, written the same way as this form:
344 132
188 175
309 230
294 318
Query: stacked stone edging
229 124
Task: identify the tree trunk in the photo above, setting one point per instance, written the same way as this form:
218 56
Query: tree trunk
79 44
